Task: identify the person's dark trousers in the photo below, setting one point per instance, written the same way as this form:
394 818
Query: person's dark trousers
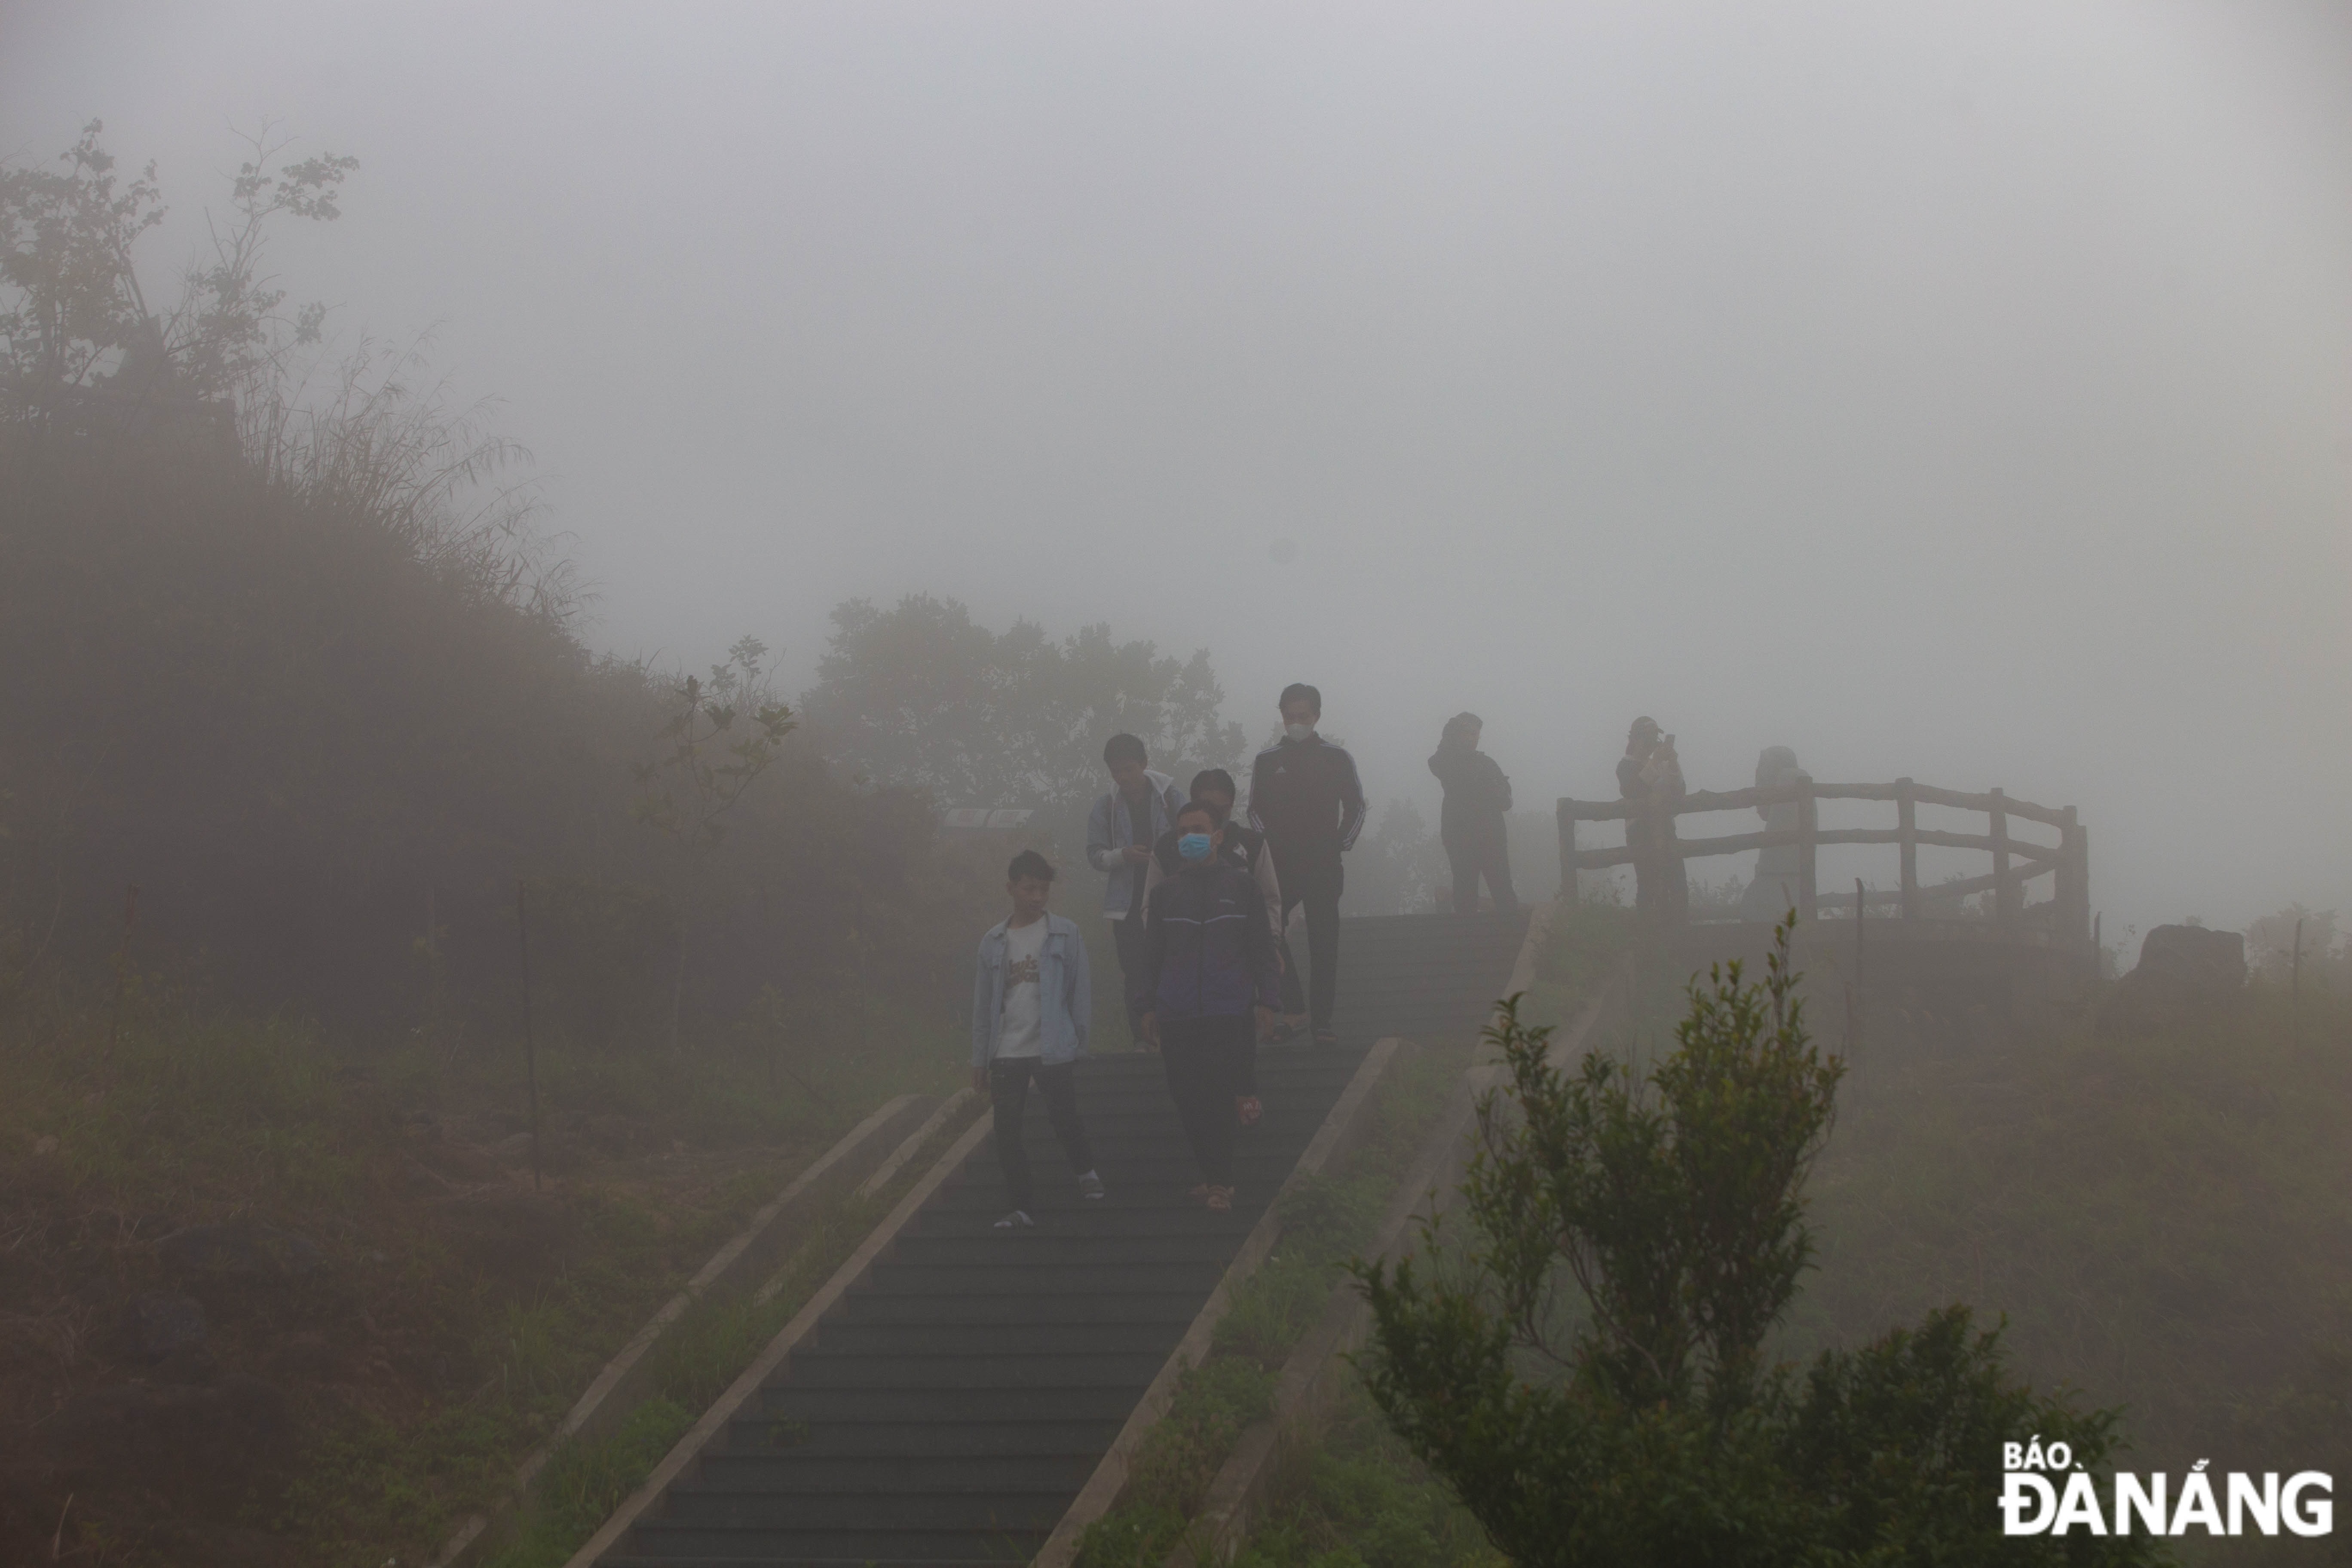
1204 1058
1008 1087
1127 935
1316 886
1471 861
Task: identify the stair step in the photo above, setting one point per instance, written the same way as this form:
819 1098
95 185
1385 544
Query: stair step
790 1402
850 1336
738 1508
1069 1248
1045 1279
1118 1305
822 1369
761 1438
661 1541
975 1470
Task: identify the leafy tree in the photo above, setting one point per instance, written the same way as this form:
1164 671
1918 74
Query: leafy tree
919 695
71 303
65 257
1591 1379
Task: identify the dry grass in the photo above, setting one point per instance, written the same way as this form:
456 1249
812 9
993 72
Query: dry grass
393 1311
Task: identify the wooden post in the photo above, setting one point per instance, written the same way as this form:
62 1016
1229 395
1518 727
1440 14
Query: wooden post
2073 923
530 1041
1808 826
1566 815
1907 823
1674 882
2295 989
1853 1006
2005 892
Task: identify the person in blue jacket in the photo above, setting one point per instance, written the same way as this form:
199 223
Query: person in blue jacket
1031 1001
1209 986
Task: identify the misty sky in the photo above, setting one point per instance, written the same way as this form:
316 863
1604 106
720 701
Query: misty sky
1958 391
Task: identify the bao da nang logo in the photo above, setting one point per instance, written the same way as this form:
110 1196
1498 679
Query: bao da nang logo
2044 1493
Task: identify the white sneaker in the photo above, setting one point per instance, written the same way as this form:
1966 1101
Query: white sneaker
1017 1220
1090 1185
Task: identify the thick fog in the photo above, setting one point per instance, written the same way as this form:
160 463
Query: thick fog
1960 392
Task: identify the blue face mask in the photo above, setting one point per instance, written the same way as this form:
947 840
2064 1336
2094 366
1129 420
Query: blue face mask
1193 847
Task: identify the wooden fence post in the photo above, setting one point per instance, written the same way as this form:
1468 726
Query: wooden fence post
2073 924
1674 877
1566 815
1854 992
1808 826
2005 889
1907 823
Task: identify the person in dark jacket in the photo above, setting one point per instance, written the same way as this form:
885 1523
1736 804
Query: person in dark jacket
1470 824
1306 798
1213 787
1208 986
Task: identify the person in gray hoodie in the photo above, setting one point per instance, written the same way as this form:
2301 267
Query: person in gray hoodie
1120 831
1031 1001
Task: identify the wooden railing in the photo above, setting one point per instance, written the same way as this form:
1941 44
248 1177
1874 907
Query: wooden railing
2015 862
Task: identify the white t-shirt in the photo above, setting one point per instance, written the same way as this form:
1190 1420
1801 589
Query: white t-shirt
1025 950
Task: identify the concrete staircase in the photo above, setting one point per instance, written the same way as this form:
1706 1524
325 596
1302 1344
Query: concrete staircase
953 1403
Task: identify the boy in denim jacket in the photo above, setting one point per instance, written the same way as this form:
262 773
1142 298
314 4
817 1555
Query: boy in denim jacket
1031 1001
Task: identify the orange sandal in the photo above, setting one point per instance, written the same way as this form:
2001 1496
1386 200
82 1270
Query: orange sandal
1221 1200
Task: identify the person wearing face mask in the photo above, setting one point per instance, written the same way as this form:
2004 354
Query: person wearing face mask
1306 798
1213 787
1208 988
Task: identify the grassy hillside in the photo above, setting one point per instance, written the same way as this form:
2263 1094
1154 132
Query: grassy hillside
278 1283
2165 1223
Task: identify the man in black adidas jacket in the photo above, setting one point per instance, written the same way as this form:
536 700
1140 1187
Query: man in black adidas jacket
1306 798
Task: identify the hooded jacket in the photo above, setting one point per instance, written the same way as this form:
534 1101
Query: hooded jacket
1245 847
1207 952
1477 794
